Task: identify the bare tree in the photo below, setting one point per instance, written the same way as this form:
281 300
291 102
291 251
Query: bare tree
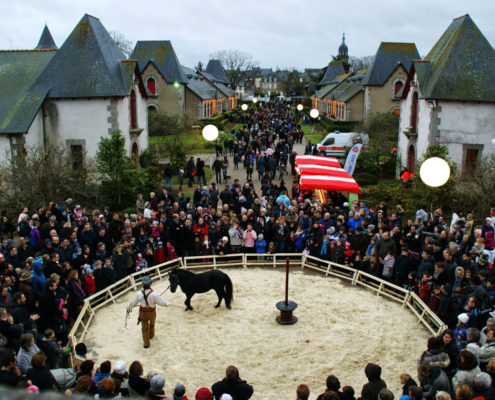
36 177
475 192
358 63
238 65
121 40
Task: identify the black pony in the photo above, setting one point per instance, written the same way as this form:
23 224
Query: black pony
191 283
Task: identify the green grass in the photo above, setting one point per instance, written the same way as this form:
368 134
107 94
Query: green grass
195 143
316 135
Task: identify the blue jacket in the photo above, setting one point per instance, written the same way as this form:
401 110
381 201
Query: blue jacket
352 223
38 280
260 246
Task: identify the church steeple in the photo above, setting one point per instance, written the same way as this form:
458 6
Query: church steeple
46 40
343 51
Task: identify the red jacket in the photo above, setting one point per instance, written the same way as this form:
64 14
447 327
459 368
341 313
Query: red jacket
160 255
89 284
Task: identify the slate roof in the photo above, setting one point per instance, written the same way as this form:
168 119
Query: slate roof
18 71
89 64
350 87
199 86
334 68
46 40
386 60
218 85
460 66
215 68
325 90
162 54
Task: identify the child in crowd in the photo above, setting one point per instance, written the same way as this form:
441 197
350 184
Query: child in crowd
388 266
160 253
89 280
171 251
425 287
260 246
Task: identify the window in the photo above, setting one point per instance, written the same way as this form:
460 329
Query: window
151 84
397 87
470 160
414 113
133 110
76 153
329 141
152 108
411 158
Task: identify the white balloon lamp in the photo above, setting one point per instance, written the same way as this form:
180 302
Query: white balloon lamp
434 172
244 107
493 142
255 100
314 113
300 107
210 132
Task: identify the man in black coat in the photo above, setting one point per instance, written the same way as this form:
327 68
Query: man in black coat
233 385
49 310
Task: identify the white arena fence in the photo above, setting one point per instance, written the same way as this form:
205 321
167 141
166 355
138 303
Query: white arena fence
381 287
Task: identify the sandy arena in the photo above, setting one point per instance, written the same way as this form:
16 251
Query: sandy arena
340 329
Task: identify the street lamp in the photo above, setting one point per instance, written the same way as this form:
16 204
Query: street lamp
210 132
314 113
434 172
244 107
255 100
300 107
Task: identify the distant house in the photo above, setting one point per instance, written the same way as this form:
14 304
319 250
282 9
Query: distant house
72 96
163 76
226 98
201 96
449 98
343 98
386 77
356 96
215 68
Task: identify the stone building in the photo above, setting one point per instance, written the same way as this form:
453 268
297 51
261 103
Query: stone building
449 98
72 96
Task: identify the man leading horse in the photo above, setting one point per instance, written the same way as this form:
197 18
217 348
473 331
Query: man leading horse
147 300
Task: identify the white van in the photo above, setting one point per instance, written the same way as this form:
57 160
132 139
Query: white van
336 144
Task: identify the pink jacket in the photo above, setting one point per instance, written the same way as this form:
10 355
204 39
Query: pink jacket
249 238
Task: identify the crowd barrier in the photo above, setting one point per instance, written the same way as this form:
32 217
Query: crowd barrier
408 299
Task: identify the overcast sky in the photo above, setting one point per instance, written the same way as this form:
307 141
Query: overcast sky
283 33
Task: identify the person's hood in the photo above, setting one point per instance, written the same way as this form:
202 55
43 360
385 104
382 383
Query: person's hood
37 265
373 372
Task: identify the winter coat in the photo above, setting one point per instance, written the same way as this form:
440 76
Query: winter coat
436 358
238 389
24 358
465 376
437 381
487 352
371 390
249 238
260 246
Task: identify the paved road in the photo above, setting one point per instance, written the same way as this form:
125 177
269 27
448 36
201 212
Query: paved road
241 172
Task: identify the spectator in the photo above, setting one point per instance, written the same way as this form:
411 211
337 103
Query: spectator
371 389
38 374
232 385
26 352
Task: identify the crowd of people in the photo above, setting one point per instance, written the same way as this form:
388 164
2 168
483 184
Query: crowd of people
53 258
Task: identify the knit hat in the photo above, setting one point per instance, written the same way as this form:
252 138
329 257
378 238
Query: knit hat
120 367
225 239
157 383
483 380
204 394
33 389
179 392
464 318
260 236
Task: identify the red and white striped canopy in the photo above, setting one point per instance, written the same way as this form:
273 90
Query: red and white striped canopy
337 183
313 169
318 160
